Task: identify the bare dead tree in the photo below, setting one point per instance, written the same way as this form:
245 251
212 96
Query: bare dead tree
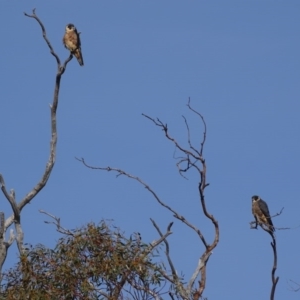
192 159
11 197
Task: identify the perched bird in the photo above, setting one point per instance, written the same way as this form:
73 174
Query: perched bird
261 213
71 41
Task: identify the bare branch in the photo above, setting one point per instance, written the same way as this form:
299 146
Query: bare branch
1 225
10 197
189 137
201 263
204 124
274 279
278 214
56 222
164 127
17 208
193 159
175 277
292 288
162 237
11 238
121 172
171 296
203 184
4 247
197 156
34 16
273 245
49 166
20 236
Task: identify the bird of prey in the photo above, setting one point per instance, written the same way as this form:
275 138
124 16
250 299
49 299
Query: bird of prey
71 41
261 213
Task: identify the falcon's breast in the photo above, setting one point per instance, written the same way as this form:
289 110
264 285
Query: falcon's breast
71 41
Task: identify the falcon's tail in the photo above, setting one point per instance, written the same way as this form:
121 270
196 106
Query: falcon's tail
78 55
271 226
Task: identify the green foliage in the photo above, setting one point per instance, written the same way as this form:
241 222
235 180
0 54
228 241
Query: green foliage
93 262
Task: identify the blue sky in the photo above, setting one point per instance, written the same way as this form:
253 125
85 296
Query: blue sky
237 60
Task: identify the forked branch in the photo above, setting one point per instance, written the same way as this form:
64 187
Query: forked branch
56 222
62 67
17 207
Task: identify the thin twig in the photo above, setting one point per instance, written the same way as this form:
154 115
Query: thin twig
204 124
173 270
164 127
34 16
278 214
189 137
162 237
293 288
56 222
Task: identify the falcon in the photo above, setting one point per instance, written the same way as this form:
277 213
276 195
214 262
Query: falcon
71 41
261 213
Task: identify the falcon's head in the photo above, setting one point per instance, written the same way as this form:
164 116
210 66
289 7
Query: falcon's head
70 27
255 198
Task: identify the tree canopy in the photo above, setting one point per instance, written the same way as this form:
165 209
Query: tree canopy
92 262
